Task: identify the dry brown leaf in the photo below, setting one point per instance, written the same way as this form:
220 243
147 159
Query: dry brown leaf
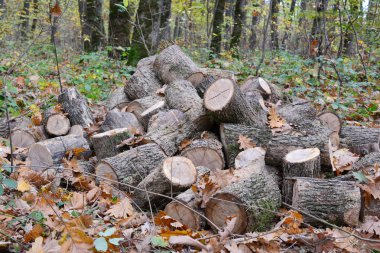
123 209
372 188
184 144
23 185
36 231
37 118
37 246
186 240
56 10
245 142
77 201
275 120
371 225
343 241
227 230
69 246
343 159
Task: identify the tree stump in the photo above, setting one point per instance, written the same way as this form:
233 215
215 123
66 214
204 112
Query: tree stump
226 103
243 199
176 174
55 123
205 152
338 202
115 119
182 95
105 144
360 140
117 99
210 76
24 138
172 64
131 166
332 120
46 153
229 136
76 107
250 157
299 163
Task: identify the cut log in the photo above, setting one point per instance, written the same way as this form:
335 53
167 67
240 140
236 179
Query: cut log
332 120
56 123
243 199
49 152
87 167
115 119
117 99
105 144
299 163
168 129
205 152
76 107
210 76
146 61
148 106
24 138
77 130
256 102
143 82
19 122
131 166
250 157
360 140
300 114
367 161
172 64
176 174
229 135
338 202
182 95
268 91
226 103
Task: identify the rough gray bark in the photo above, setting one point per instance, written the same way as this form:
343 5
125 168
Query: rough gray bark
19 122
275 7
105 144
117 99
147 61
229 136
115 119
216 39
75 105
338 202
239 20
131 166
299 113
360 140
367 161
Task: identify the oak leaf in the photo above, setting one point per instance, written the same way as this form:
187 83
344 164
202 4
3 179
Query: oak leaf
245 142
36 231
23 185
275 120
123 209
343 159
371 225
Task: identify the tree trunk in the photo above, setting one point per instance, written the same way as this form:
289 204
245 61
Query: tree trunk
360 140
35 11
288 27
253 36
274 23
228 23
2 8
25 137
25 20
216 39
117 99
317 30
367 161
349 47
239 20
210 76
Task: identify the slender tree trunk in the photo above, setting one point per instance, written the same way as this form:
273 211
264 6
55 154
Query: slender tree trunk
25 19
316 38
35 11
216 40
287 28
274 24
349 39
229 23
239 19
253 36
2 8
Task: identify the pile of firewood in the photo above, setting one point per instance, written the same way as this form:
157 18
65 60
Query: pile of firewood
216 148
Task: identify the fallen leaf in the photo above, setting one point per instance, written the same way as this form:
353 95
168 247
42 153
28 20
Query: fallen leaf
371 225
343 160
36 231
23 186
184 144
275 120
123 209
245 142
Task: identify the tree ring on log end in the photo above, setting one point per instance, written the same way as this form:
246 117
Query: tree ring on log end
40 157
332 120
104 170
218 210
180 171
196 78
200 157
181 213
302 155
22 139
219 94
58 125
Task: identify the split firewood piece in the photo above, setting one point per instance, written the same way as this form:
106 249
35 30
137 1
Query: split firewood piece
230 133
25 137
77 130
146 61
243 200
115 119
173 176
210 76
168 129
360 140
182 95
268 91
49 152
75 105
172 64
205 152
299 163
142 83
250 157
367 161
338 202
56 123
226 103
117 99
332 120
19 122
184 214
300 113
105 144
130 166
144 108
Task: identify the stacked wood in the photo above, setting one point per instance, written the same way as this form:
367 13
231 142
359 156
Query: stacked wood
360 140
55 123
116 119
210 76
250 157
117 99
251 200
182 95
168 129
268 91
338 202
205 152
173 176
300 113
332 120
299 163
229 136
146 61
106 144
75 105
226 103
49 152
25 137
19 122
171 64
367 161
144 108
77 130
131 166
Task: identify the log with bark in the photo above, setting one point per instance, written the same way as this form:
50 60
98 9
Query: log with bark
50 152
229 136
332 120
182 95
360 140
268 91
338 202
117 99
55 123
300 113
25 137
226 103
115 119
131 166
251 200
75 105
172 64
210 76
299 163
106 144
18 122
146 61
77 130
250 157
367 161
173 176
144 108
